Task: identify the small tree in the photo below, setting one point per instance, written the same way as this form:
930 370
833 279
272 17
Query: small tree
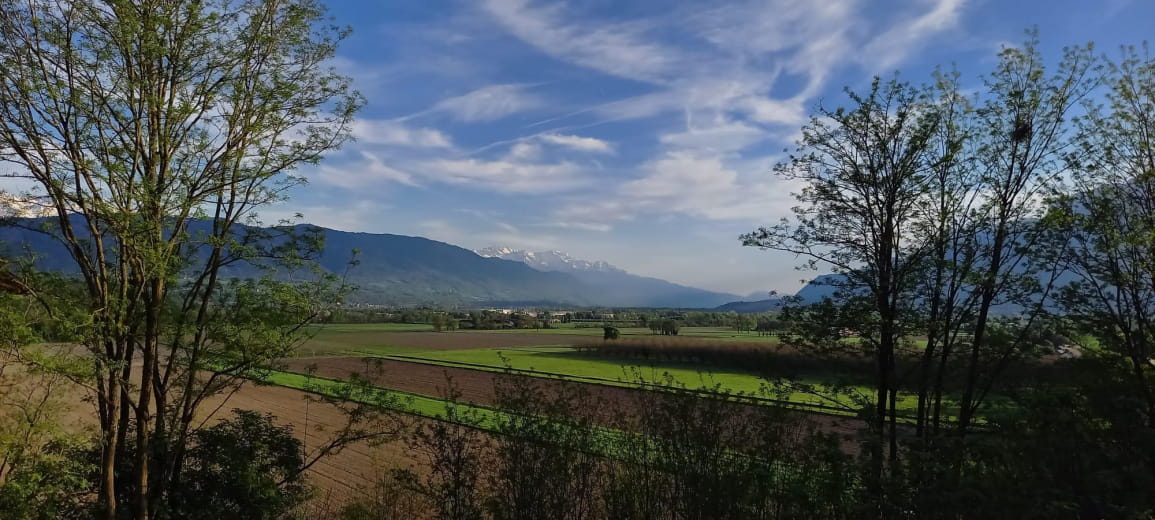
1022 134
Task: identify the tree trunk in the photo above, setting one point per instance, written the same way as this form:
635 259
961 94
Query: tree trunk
109 448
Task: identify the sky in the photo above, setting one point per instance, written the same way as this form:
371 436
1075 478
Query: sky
638 132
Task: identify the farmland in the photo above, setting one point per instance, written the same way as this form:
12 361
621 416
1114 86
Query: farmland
415 366
552 354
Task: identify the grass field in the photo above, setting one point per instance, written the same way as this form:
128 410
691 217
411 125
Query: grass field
483 418
564 329
545 352
398 338
567 363
717 333
392 399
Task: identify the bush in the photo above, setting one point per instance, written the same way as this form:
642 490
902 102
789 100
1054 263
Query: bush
244 468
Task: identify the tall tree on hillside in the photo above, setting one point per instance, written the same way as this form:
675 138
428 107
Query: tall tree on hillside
1106 222
153 130
865 171
1022 131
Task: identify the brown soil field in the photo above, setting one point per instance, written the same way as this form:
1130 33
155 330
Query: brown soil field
339 476
338 344
348 473
465 340
477 387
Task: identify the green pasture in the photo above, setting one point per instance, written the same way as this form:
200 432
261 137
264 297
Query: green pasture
346 328
815 391
335 340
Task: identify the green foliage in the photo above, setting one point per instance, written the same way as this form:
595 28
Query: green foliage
546 465
391 497
245 467
50 484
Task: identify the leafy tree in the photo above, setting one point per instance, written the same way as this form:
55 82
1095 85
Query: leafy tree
441 321
1105 222
949 223
50 484
865 171
454 451
1021 135
246 467
525 321
153 131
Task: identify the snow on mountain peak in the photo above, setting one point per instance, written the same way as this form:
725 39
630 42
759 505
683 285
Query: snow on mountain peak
22 207
546 260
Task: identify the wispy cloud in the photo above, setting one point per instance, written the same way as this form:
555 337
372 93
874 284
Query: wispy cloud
512 174
577 142
907 35
616 49
689 184
718 138
384 132
486 104
366 170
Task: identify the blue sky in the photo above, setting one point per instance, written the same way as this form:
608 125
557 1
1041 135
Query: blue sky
637 132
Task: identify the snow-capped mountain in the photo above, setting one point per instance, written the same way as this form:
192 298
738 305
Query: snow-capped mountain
611 285
548 260
22 207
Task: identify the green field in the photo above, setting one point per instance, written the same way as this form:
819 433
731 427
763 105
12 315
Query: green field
606 441
332 340
718 333
392 399
346 328
818 392
567 363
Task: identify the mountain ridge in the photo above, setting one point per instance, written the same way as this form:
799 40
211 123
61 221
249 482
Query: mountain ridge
615 285
406 271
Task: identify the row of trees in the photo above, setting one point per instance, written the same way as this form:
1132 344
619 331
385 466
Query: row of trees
943 211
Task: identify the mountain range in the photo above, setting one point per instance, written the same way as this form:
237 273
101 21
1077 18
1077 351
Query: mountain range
814 291
406 270
613 286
